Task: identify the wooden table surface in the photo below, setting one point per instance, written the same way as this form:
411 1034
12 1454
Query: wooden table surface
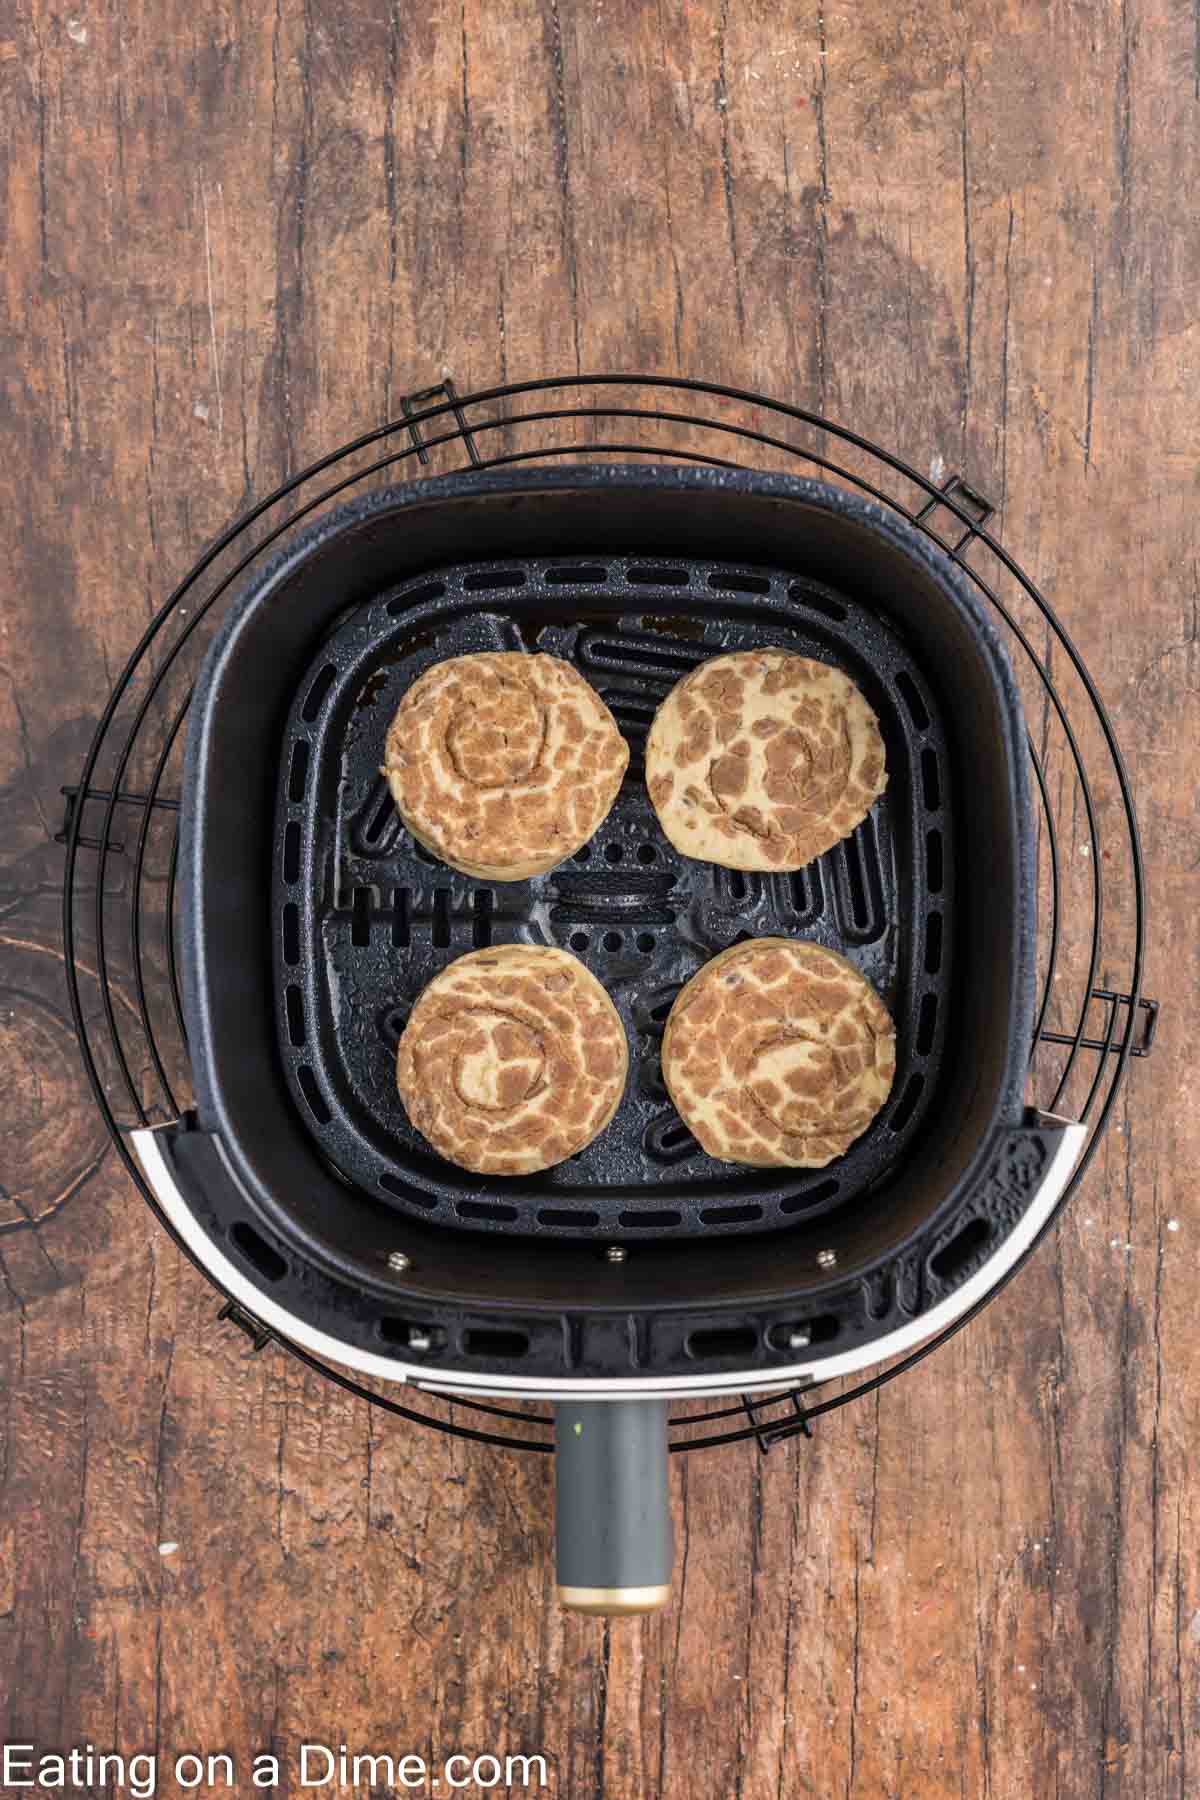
234 237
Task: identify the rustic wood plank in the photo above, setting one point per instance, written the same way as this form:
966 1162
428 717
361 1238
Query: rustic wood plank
233 241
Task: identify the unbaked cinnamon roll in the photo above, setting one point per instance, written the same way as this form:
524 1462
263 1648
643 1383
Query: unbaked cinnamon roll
503 764
778 1052
513 1059
763 760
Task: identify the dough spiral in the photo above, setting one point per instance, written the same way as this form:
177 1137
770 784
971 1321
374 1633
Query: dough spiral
503 764
512 1060
763 760
778 1052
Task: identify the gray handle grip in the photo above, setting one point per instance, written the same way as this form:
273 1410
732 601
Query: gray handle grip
612 1502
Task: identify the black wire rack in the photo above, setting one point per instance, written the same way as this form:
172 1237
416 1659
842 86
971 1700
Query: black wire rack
120 824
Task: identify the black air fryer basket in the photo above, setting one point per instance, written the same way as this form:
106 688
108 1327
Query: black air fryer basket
641 1271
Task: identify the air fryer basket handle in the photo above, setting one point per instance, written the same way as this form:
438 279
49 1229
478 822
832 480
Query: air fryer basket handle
615 1542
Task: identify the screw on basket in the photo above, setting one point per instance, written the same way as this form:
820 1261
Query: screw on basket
827 1259
399 1262
616 1253
800 1339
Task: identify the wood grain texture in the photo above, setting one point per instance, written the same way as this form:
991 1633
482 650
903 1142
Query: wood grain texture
236 236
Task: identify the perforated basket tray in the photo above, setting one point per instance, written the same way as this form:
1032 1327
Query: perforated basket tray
299 1157
363 917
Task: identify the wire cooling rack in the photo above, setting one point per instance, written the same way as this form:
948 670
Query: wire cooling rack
121 816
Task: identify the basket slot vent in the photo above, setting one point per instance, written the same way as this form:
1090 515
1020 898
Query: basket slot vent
904 1108
391 1185
856 883
298 773
934 872
578 575
732 582
806 893
733 1341
360 916
377 824
881 1296
313 1094
668 1140
910 693
486 1210
257 1252
658 575
295 1015
317 693
489 581
479 1341
741 886
429 590
963 1246
633 718
821 1330
634 656
441 919
483 905
814 601
730 1215
859 886
401 917
291 853
809 1197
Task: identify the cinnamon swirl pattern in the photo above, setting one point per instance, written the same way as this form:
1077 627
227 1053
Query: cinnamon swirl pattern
778 1053
513 1059
763 760
503 764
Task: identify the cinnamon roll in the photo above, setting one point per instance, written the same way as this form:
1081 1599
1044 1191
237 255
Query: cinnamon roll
778 1052
503 764
763 760
513 1059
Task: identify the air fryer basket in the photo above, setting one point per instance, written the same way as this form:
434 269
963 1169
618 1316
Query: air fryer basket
513 1297
426 1281
363 917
